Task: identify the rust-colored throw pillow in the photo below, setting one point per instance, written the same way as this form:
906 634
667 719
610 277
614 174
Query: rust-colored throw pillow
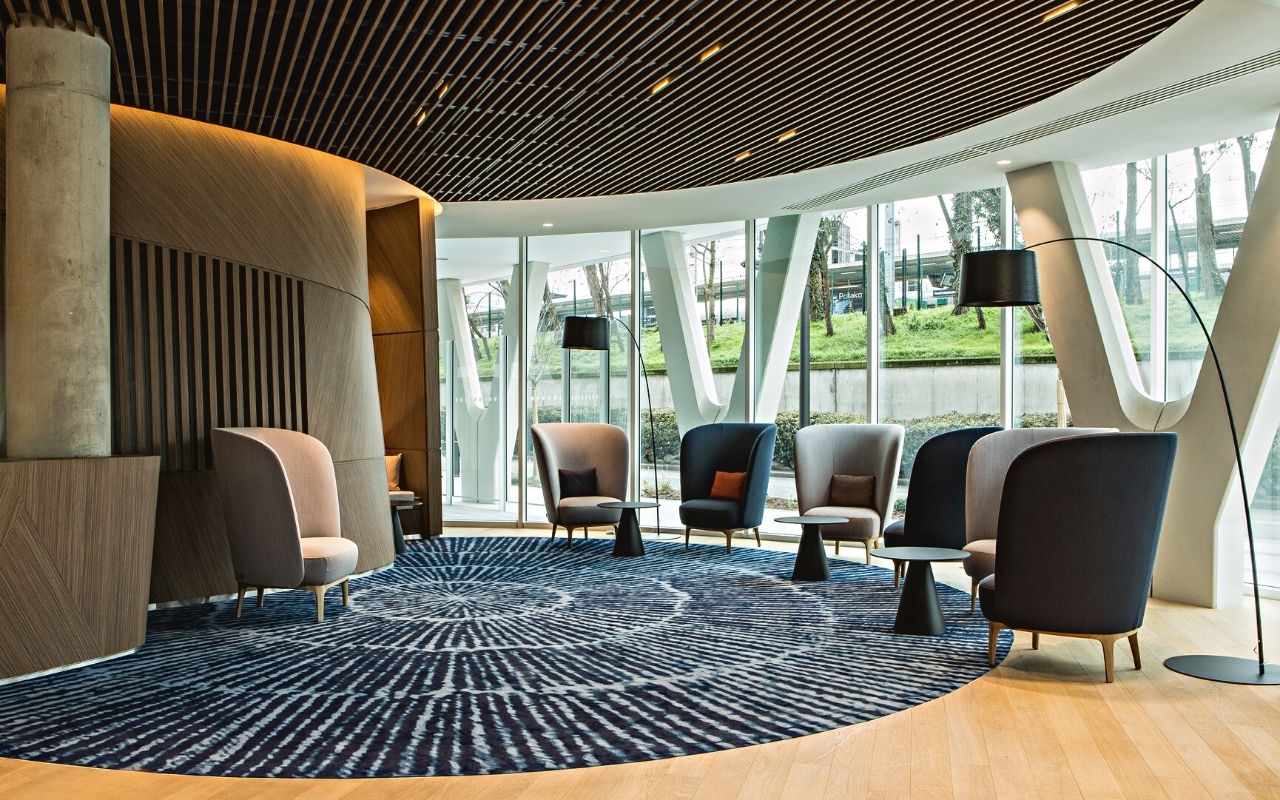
393 473
855 491
729 485
578 482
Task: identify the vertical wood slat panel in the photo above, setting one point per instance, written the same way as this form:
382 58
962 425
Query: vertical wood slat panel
199 343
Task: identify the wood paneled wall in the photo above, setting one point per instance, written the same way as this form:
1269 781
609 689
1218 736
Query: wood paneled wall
75 534
406 338
201 343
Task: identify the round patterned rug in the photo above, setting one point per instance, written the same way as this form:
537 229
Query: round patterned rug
501 654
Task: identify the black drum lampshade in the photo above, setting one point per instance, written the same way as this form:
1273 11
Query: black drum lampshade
585 333
998 278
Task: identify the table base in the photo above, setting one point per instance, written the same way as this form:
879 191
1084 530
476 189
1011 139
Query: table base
811 558
918 611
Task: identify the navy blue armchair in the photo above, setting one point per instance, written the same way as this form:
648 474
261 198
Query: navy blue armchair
935 502
744 447
1077 532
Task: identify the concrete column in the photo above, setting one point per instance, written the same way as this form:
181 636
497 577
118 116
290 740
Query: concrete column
57 202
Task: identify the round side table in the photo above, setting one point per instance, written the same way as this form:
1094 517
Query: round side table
811 558
627 542
397 530
918 610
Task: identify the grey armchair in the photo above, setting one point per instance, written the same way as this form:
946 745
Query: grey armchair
824 451
280 502
1078 525
581 447
989 461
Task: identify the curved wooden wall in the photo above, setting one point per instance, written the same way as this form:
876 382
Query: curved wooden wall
196 196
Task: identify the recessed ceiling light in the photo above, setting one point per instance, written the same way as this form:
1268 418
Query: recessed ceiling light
660 85
548 224
743 156
1004 162
782 137
1058 11
444 89
710 51
421 117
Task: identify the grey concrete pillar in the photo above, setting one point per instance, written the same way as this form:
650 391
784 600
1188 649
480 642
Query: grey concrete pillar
57 202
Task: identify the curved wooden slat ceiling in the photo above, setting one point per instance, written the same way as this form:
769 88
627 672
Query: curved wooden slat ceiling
526 99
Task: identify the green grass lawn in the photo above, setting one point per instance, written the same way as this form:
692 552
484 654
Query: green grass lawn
927 334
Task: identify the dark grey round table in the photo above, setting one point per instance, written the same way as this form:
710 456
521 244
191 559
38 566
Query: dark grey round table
811 558
918 610
627 542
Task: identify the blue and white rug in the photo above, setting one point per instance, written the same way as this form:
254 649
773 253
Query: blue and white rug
501 654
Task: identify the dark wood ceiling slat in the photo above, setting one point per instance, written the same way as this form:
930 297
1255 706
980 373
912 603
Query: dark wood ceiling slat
551 99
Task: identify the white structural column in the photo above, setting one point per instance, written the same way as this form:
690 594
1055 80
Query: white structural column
485 430
680 330
1200 558
57 242
783 272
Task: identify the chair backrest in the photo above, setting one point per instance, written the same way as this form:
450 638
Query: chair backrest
578 446
277 487
935 502
1079 523
826 450
989 461
729 447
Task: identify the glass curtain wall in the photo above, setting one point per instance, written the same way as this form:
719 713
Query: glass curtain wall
579 275
479 353
940 363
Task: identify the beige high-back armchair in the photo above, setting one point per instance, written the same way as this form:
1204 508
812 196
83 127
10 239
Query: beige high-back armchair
989 461
581 447
824 451
280 502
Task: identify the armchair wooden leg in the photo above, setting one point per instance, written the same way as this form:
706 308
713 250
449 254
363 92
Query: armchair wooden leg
319 590
728 541
897 573
686 537
585 532
346 593
261 592
1133 648
1035 640
837 547
869 544
993 638
569 533
973 595
758 538
1109 657
240 600
553 530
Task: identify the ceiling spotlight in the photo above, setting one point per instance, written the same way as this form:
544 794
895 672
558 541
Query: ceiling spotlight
444 89
782 137
710 51
743 156
548 224
1058 11
420 117
1004 162
660 85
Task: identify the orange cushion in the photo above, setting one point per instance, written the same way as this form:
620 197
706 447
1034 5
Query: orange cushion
393 472
729 485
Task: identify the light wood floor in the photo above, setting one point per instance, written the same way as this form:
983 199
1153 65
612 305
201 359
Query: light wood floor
1043 724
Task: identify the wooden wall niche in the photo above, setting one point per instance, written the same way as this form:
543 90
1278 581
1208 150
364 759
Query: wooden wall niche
406 343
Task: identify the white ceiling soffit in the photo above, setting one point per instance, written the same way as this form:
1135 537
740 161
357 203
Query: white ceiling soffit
1213 75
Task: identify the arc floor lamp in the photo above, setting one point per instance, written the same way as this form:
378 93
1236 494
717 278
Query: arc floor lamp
1008 278
592 333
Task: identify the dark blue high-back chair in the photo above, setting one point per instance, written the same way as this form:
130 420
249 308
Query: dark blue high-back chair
1076 539
935 504
725 447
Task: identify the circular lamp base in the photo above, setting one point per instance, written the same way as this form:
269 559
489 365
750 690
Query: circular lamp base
1225 669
